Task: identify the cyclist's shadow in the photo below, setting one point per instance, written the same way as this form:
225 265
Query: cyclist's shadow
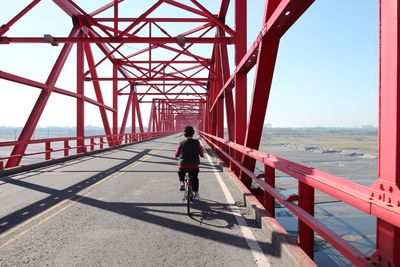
213 213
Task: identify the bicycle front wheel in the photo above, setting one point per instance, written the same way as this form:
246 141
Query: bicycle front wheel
189 198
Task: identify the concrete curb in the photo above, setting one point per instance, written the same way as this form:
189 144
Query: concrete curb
290 252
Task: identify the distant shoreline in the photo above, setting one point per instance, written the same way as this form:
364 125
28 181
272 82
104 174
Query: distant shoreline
350 142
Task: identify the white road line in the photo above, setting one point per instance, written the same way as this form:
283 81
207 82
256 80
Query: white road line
258 254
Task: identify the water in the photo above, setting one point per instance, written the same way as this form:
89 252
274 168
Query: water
349 223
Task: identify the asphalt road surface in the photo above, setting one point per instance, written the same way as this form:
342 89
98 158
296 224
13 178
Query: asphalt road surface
124 208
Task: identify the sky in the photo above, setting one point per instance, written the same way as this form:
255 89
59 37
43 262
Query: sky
326 72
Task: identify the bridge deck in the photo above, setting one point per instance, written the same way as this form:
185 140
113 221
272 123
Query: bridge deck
123 207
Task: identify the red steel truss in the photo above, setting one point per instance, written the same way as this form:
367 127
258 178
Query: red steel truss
186 87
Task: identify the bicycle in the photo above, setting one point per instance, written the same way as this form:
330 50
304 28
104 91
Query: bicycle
188 194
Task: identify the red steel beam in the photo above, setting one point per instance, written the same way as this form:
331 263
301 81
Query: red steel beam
116 2
108 54
139 116
171 94
240 78
279 22
68 7
115 40
133 113
178 20
388 184
105 8
125 119
229 105
162 62
141 17
141 79
267 52
212 18
185 7
35 84
5 27
80 105
184 49
97 90
203 85
40 104
106 51
115 103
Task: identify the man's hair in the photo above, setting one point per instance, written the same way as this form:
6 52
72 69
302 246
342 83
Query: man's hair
188 131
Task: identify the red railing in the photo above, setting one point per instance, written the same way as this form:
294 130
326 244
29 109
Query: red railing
91 143
361 197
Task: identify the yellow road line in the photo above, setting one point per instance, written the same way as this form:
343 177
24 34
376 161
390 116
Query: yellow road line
93 188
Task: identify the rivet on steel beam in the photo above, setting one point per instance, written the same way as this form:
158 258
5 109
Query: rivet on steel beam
380 197
389 201
381 187
372 194
390 189
398 203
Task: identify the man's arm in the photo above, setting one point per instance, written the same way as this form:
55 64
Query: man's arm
178 151
201 150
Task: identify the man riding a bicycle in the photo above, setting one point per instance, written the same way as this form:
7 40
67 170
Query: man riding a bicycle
188 152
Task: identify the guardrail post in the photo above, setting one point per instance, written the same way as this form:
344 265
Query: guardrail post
226 159
269 201
101 143
79 145
305 233
48 150
66 148
91 143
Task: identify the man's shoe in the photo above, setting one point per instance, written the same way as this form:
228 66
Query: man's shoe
182 188
196 196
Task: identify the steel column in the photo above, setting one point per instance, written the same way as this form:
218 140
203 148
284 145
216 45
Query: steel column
139 116
133 111
80 103
218 84
388 235
225 73
262 85
115 103
99 95
126 114
240 78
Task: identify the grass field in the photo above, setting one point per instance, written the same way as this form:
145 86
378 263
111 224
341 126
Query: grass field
364 140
